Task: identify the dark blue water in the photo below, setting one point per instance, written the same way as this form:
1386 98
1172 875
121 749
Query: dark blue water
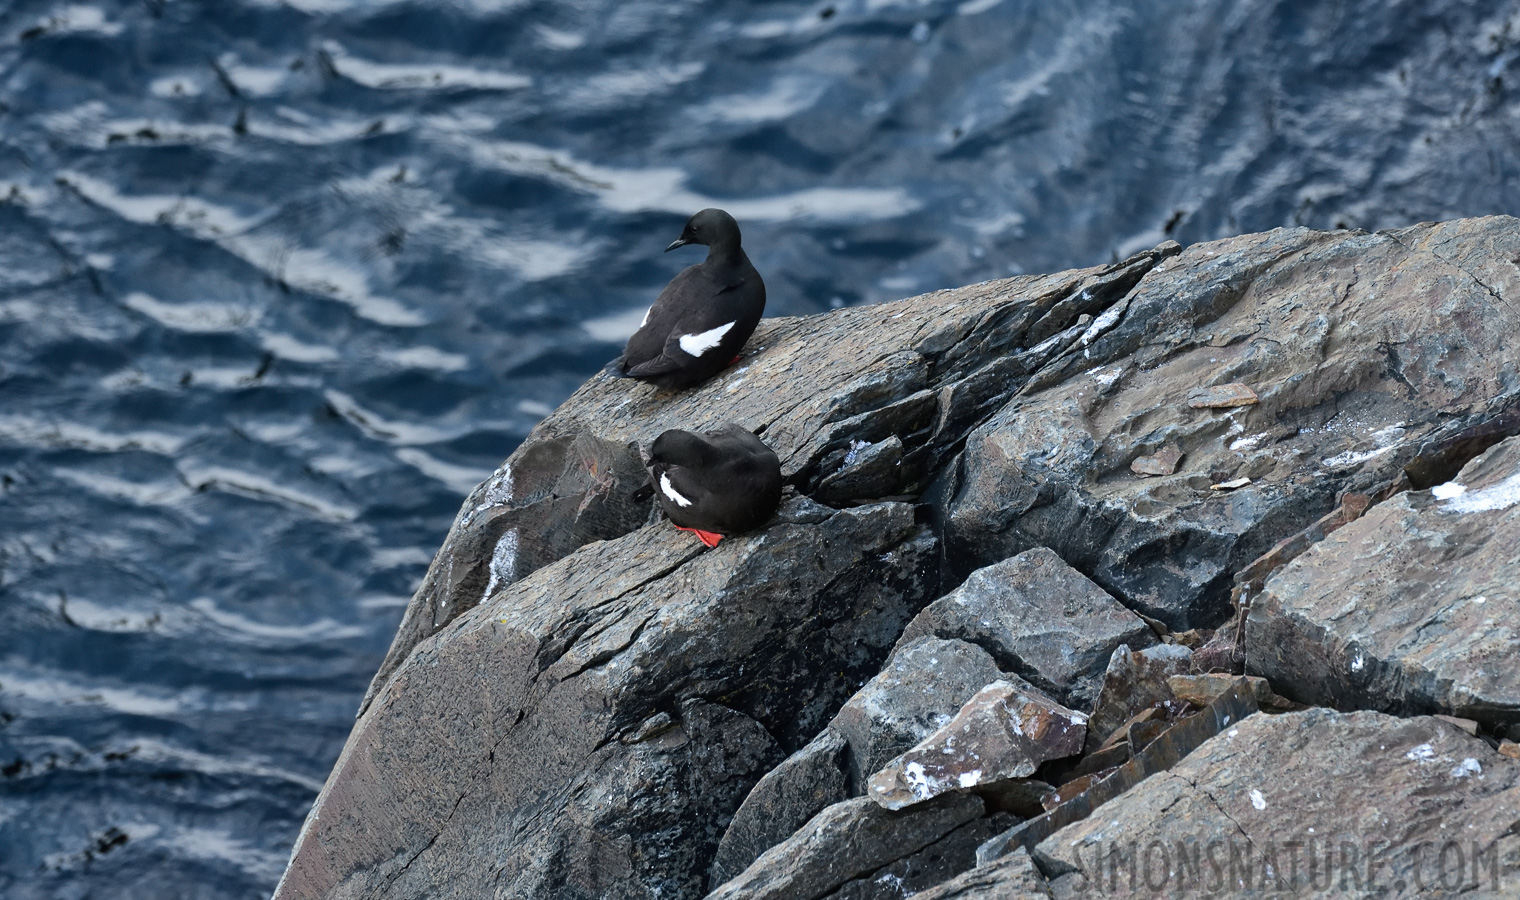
280 281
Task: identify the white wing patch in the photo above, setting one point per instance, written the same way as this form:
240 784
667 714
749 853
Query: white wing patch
698 344
670 491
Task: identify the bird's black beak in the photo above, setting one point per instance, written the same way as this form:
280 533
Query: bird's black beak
678 242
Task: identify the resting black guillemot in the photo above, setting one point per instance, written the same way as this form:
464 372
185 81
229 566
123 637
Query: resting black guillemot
721 483
699 323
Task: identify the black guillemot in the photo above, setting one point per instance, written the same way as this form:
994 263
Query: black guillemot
724 482
699 323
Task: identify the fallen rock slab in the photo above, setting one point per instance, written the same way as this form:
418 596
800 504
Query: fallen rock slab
1134 682
1222 396
1202 689
1161 753
1299 801
1359 346
935 864
1412 608
1164 462
1039 618
1004 732
920 689
1012 877
810 780
922 686
844 842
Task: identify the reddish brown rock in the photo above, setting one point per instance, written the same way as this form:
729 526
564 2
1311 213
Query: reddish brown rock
1222 396
1164 462
1134 682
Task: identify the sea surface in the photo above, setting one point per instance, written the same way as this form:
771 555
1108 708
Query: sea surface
281 280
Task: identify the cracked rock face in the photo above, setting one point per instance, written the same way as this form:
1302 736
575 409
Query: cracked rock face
1039 618
558 741
1413 608
1360 347
1275 789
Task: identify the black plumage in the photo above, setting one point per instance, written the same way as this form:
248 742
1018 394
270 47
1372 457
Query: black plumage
699 323
724 482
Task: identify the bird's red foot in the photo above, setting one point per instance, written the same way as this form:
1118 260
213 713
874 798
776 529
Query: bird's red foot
734 360
706 537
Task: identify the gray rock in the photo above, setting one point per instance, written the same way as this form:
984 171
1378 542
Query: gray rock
848 840
867 470
1011 877
1412 608
1040 618
940 861
919 690
1132 683
1004 732
783 801
1348 340
1249 809
504 756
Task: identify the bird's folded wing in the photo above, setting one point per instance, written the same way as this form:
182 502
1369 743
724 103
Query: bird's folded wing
660 365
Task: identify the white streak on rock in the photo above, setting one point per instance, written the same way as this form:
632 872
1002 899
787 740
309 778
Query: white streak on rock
1257 800
1502 495
1466 767
1101 324
503 559
1350 459
1448 490
1422 754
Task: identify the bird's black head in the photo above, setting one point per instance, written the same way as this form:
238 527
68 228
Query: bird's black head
679 448
712 227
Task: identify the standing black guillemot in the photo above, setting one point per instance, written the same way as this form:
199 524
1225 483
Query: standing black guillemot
699 323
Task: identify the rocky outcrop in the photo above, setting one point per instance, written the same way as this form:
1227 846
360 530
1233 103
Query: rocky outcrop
861 403
585 733
1361 348
1073 479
